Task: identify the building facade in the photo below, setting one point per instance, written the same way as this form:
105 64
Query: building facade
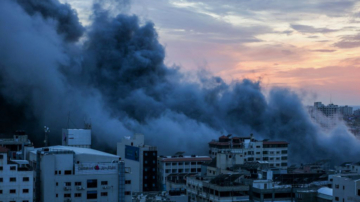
16 179
76 137
65 173
230 151
346 188
177 166
141 160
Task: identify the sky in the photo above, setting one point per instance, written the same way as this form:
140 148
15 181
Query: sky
310 46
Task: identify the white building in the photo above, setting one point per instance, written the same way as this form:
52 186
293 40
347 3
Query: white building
16 179
15 144
66 173
346 188
141 160
346 110
179 164
238 150
76 137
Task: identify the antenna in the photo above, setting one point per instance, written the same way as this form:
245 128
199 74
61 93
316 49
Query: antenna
46 131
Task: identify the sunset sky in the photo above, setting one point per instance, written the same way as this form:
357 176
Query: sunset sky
311 46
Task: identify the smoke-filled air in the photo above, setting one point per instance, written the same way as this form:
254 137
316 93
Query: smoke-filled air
112 74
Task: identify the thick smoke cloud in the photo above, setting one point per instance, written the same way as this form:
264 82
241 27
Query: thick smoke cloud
116 78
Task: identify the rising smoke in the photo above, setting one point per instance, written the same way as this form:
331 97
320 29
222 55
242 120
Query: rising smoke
116 77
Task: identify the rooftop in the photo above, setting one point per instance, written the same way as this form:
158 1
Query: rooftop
184 158
77 150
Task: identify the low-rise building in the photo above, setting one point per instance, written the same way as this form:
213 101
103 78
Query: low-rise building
179 164
224 187
64 173
16 144
230 151
16 179
346 188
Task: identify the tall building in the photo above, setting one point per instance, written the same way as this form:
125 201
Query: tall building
177 166
230 151
142 161
346 110
64 173
76 137
16 179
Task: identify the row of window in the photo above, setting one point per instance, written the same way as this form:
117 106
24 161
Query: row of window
13 179
13 191
192 170
90 183
182 163
13 168
89 195
66 172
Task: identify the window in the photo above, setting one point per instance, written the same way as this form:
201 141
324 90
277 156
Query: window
12 191
1 156
127 193
0 191
167 171
174 164
12 167
104 182
91 195
1 168
258 146
67 195
77 183
284 151
57 184
104 193
25 179
55 172
1 180
127 181
67 184
284 158
257 152
12 179
91 184
358 192
336 198
77 194
57 195
167 164
25 191
193 163
67 172
59 172
343 187
337 186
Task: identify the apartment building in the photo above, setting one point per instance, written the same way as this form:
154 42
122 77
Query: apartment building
64 174
16 144
346 188
16 179
230 151
141 160
178 165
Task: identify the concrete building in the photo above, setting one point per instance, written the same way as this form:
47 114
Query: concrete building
329 110
16 179
224 187
76 137
177 166
346 188
230 151
64 173
142 162
346 110
15 144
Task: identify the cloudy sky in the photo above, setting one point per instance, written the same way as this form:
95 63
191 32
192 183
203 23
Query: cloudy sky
311 46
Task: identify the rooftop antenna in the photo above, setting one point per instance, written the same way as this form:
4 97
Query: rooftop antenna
46 131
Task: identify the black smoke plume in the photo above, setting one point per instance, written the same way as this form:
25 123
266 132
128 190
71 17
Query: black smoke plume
115 76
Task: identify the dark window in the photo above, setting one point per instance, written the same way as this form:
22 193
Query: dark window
25 191
1 180
25 179
12 167
283 164
67 195
174 164
104 182
67 183
343 187
1 168
127 193
57 184
1 156
55 172
0 191
57 195
77 194
91 183
336 198
77 183
59 172
193 163
337 186
12 179
284 151
127 181
67 172
91 195
284 158
358 192
104 193
12 191
257 152
193 170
